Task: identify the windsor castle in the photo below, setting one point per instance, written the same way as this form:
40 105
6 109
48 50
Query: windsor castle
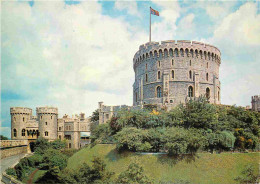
166 74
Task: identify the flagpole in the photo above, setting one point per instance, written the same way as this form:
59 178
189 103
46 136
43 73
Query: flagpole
150 25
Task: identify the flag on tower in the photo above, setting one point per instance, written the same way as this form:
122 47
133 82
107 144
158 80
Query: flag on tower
154 12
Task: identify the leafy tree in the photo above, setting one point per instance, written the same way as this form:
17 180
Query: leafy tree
53 158
199 114
3 137
248 175
58 144
134 174
86 174
101 134
95 116
130 139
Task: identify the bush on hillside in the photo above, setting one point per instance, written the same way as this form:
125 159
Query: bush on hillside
134 174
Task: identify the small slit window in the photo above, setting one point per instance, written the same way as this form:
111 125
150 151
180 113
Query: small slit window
146 78
159 75
190 91
190 74
207 77
15 133
23 132
159 92
159 64
208 93
172 74
46 133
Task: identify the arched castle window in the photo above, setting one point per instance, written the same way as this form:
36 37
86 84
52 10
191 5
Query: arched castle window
190 74
191 52
182 53
205 55
200 54
159 75
15 133
46 133
171 52
151 54
190 91
159 92
212 56
196 53
23 132
147 56
172 74
155 54
208 55
46 123
146 78
176 53
187 52
208 93
165 53
159 64
160 53
207 76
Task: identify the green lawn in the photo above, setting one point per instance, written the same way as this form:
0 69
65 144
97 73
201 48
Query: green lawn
204 168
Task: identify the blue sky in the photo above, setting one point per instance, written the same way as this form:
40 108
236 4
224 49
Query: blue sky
74 54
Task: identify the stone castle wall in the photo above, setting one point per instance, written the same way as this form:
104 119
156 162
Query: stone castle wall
256 103
46 124
179 64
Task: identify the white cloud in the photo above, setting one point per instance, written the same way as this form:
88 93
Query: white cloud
165 29
239 30
67 56
238 38
129 6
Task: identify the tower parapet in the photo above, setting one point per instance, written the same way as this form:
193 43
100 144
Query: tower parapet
48 120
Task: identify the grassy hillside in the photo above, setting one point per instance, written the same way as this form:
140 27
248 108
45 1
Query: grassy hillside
204 168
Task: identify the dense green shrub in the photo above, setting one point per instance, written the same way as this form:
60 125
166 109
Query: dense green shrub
201 126
134 174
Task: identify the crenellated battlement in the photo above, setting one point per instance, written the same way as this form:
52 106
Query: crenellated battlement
20 110
177 48
46 110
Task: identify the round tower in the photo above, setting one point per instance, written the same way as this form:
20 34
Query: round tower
174 71
19 117
48 120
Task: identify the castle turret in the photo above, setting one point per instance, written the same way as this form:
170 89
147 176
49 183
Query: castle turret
47 117
256 103
20 116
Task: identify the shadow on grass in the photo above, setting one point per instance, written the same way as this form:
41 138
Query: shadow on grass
115 155
173 160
